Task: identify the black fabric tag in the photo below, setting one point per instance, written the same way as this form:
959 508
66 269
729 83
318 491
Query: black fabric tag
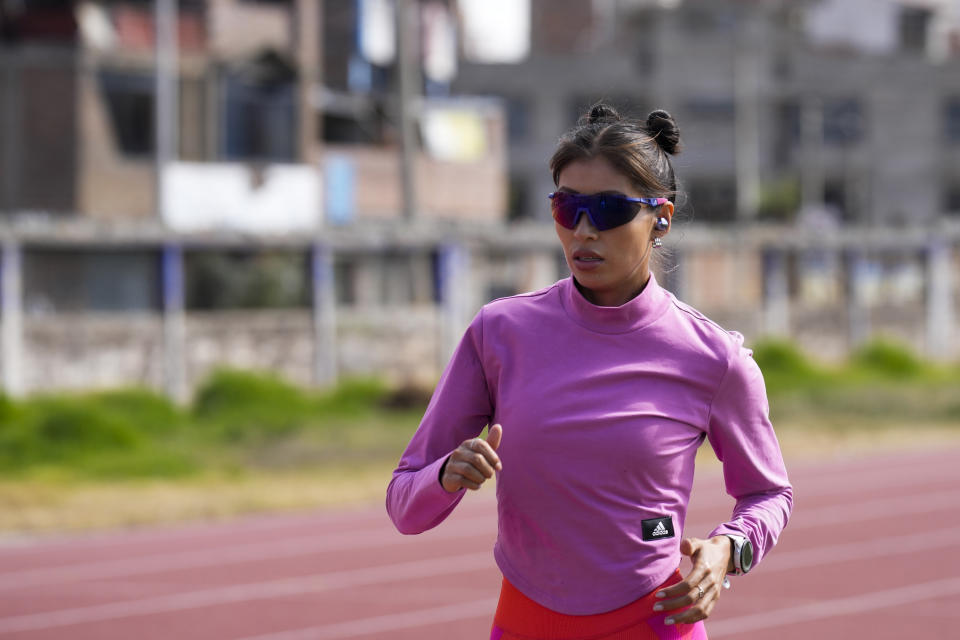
657 528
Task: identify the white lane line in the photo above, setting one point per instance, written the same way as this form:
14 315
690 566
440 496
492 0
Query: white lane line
881 547
217 530
388 623
273 589
834 608
872 548
190 531
862 511
464 528
236 554
877 508
883 476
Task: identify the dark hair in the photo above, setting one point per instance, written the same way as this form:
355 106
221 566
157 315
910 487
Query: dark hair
640 152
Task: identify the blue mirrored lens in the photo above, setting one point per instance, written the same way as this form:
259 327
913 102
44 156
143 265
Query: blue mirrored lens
605 211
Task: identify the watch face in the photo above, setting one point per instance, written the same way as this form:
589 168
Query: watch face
746 556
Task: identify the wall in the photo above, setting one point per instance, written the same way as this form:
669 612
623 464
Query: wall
826 293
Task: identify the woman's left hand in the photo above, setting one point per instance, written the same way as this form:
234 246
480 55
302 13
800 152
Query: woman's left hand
699 589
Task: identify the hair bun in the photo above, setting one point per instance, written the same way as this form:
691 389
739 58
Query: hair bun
602 112
662 127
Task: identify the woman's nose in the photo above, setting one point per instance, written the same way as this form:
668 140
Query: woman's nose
584 227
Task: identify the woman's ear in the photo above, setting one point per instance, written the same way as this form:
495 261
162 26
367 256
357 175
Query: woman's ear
664 218
666 211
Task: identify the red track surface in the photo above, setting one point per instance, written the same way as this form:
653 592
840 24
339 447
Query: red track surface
872 551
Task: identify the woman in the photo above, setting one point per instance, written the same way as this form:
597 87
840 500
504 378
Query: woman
600 389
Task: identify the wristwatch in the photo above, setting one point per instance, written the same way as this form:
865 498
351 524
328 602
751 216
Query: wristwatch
742 554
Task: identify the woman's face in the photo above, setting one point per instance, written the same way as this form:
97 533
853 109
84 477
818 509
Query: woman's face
611 266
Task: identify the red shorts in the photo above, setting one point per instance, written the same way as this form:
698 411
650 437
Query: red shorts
520 618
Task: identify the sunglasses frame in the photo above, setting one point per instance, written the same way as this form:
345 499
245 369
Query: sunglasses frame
588 203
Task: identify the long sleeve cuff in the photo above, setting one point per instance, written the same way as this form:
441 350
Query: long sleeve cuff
760 519
416 501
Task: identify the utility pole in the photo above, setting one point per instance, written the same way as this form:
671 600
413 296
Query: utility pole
166 94
166 106
746 88
307 36
408 67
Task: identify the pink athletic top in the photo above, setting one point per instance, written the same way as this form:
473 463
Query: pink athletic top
603 409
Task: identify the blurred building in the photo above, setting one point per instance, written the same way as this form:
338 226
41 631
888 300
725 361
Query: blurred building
334 191
851 104
254 116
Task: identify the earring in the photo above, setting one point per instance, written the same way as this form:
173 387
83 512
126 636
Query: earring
657 243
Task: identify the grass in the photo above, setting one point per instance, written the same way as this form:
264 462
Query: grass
882 385
252 442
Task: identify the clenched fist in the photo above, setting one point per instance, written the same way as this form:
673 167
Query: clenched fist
472 462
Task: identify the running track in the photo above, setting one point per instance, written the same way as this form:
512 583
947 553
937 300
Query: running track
873 551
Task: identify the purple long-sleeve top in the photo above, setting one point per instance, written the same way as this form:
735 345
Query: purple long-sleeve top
602 409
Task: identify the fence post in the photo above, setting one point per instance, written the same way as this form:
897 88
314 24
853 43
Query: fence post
776 299
174 323
858 316
11 283
939 307
324 315
453 280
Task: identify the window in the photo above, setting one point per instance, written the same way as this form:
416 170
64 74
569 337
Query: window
951 198
835 197
951 119
37 21
106 280
518 198
843 121
130 104
713 199
344 280
518 119
914 24
787 132
246 280
260 116
344 129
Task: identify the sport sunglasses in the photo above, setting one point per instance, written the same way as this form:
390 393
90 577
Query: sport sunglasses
605 210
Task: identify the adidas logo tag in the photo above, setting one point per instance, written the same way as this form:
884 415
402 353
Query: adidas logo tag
657 528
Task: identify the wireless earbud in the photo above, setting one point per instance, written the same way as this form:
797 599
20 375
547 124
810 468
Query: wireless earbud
662 224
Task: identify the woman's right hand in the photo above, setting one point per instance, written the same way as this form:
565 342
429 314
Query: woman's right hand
472 462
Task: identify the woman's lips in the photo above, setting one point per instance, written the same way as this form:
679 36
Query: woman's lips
587 260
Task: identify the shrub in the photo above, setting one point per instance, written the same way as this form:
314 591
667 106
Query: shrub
61 428
785 367
888 359
780 356
353 396
147 411
241 404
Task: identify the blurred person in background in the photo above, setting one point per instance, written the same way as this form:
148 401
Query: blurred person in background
600 389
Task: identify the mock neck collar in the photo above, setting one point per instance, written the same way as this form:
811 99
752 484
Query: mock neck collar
634 314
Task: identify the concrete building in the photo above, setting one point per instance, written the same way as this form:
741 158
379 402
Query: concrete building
780 103
326 210
79 112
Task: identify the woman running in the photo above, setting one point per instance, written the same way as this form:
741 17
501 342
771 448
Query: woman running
600 389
